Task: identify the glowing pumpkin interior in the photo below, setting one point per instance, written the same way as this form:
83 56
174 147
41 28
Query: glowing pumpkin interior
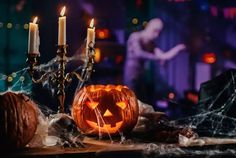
105 109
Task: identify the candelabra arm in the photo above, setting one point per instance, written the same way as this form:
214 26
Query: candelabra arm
88 67
41 79
91 56
71 74
32 60
61 77
61 99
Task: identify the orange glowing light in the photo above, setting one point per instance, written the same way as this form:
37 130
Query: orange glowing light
92 105
121 104
119 88
97 57
107 113
35 20
63 11
209 58
102 33
108 88
106 128
94 89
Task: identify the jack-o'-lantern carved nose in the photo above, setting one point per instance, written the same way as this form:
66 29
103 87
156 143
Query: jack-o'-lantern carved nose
107 113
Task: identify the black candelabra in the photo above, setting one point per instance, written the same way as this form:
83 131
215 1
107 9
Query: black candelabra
59 78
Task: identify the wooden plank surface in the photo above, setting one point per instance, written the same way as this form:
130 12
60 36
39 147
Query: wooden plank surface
92 147
106 149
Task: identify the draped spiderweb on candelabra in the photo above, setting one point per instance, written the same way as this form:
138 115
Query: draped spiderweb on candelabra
81 61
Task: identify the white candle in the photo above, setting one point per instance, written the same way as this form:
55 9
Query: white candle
91 34
62 28
33 41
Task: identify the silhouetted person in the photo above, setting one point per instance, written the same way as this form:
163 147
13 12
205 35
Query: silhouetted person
140 49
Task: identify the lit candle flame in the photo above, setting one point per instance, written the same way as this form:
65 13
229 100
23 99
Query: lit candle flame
91 23
63 11
35 20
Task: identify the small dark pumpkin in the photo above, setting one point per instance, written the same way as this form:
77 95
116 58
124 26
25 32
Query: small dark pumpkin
106 109
18 120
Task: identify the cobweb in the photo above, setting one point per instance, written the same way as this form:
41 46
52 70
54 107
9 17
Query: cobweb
216 112
214 122
20 80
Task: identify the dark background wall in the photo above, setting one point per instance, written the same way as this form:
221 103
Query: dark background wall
207 27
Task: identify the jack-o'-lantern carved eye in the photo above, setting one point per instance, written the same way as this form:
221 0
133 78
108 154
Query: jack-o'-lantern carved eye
92 105
121 104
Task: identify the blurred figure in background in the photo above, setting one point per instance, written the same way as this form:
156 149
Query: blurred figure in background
140 50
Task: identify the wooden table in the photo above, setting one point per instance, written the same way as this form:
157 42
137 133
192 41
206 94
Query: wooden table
92 149
105 149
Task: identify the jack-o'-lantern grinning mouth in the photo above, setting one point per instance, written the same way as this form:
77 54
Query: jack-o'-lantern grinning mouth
105 127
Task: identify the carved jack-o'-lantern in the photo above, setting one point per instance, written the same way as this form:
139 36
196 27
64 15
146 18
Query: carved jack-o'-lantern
18 120
105 109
